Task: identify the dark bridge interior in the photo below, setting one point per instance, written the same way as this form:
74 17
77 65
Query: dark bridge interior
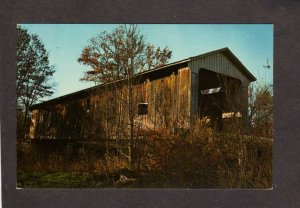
218 94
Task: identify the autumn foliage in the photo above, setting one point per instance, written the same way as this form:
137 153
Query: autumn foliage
119 54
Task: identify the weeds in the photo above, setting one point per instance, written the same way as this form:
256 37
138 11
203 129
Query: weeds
200 159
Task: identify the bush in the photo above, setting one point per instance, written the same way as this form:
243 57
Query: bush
197 158
206 159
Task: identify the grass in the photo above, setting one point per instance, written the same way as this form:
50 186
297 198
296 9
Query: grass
59 180
36 179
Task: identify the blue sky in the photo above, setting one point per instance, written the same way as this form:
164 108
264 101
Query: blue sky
251 43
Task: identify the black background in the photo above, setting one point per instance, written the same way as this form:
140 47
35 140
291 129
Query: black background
286 160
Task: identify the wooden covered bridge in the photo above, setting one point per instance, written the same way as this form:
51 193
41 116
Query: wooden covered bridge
210 85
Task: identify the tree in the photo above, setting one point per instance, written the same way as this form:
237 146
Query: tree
33 74
120 55
261 109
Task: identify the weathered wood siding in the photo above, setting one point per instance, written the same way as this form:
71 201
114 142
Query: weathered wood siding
168 98
105 112
63 121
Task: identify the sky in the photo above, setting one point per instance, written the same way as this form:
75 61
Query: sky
251 43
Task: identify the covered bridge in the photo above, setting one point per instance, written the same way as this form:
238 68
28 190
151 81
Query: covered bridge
210 85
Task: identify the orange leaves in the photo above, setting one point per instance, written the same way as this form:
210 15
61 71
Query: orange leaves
121 53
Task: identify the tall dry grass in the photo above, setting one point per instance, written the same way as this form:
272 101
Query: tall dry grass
203 158
194 158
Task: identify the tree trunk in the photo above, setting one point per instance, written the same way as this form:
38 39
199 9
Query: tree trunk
24 125
131 121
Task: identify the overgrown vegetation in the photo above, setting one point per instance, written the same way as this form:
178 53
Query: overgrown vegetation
200 158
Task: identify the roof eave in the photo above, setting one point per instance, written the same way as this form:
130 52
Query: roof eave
102 85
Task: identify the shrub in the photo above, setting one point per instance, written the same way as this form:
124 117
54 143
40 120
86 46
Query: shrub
207 159
195 158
